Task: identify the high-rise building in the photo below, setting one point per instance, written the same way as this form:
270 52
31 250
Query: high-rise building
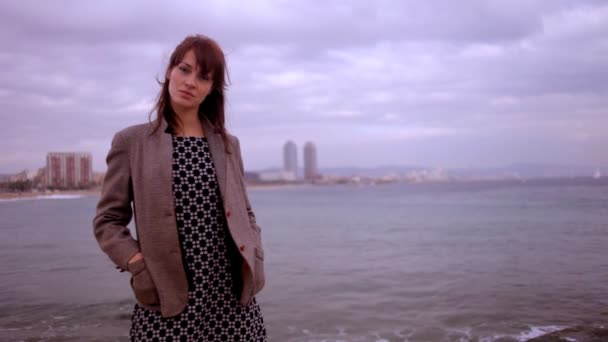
290 158
69 170
310 161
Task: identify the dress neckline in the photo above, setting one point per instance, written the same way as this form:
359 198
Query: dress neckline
191 137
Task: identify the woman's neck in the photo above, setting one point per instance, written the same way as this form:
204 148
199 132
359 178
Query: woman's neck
188 123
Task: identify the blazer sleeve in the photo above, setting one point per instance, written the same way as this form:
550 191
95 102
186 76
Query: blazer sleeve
114 207
242 169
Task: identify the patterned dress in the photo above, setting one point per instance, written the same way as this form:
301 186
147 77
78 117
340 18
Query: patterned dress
213 312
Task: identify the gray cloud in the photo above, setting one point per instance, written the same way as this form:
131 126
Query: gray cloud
387 82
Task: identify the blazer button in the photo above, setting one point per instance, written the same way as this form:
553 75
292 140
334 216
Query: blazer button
169 214
228 213
242 248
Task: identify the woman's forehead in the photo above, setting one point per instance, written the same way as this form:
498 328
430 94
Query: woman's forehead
191 59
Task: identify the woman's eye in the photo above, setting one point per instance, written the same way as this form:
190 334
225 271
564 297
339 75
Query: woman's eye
204 77
183 69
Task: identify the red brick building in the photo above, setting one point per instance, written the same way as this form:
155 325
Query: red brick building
69 170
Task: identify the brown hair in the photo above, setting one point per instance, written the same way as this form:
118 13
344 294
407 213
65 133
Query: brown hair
210 58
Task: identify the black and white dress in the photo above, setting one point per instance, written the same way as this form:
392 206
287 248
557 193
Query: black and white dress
213 312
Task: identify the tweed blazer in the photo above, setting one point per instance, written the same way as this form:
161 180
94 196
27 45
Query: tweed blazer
138 183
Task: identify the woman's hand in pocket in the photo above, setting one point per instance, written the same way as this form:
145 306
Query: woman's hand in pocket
142 284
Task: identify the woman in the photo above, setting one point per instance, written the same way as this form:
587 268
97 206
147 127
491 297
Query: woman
198 260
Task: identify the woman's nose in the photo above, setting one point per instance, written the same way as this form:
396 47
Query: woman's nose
190 82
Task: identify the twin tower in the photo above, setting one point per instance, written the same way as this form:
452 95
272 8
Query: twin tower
290 159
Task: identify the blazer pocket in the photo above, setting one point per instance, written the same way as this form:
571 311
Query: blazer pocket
142 285
260 277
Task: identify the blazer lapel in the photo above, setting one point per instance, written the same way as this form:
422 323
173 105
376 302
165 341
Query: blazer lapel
165 161
218 154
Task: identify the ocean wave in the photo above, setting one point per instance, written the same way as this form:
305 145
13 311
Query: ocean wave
465 334
536 331
530 333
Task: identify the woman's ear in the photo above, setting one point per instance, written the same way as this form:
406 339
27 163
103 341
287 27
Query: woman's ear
168 74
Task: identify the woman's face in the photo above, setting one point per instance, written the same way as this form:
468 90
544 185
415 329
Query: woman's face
187 86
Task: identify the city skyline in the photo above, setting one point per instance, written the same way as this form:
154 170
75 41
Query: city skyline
312 172
452 85
552 168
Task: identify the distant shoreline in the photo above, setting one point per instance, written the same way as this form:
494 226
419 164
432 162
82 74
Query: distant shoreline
272 186
97 191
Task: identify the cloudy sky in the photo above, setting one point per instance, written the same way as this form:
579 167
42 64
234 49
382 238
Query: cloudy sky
437 83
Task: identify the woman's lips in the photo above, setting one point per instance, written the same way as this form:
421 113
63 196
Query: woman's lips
186 93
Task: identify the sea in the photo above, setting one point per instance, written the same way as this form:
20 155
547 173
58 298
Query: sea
471 261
